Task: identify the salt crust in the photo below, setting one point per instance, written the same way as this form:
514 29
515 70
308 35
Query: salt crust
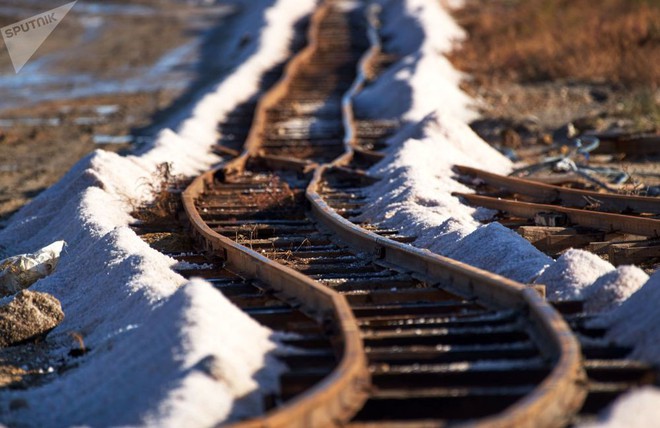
162 351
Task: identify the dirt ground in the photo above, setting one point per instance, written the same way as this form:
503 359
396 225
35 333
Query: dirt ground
45 128
537 69
521 119
52 114
34 156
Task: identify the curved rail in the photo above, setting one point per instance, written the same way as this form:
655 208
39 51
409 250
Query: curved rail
343 392
348 117
276 93
337 397
562 393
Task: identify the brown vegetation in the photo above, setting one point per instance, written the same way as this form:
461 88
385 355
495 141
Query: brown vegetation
164 188
276 194
610 41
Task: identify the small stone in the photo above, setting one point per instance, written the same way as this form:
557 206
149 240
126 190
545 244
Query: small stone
565 134
599 95
511 139
28 315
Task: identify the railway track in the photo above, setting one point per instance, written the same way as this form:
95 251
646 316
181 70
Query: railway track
379 333
625 228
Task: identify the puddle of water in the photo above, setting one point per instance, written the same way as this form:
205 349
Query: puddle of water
112 139
11 167
92 26
89 8
82 120
172 59
30 121
114 9
37 82
106 110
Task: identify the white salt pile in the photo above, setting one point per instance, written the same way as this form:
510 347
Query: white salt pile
612 289
636 321
160 351
500 250
574 271
415 193
635 409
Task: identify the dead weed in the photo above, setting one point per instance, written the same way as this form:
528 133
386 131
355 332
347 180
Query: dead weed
164 188
614 41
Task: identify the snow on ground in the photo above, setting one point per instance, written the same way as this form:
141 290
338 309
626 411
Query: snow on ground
415 193
635 409
609 291
636 321
579 268
162 351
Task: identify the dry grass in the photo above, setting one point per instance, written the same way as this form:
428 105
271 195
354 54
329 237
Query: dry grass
613 41
277 194
168 242
644 106
165 201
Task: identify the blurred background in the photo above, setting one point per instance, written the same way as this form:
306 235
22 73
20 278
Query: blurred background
106 73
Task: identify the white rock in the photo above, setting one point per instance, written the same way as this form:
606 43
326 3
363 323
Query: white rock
19 272
636 409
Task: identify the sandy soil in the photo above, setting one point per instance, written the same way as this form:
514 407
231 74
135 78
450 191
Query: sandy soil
123 50
524 117
40 140
534 79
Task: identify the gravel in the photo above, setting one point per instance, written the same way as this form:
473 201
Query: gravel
28 315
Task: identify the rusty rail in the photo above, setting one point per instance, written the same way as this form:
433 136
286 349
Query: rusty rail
277 92
548 194
340 395
562 393
607 222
